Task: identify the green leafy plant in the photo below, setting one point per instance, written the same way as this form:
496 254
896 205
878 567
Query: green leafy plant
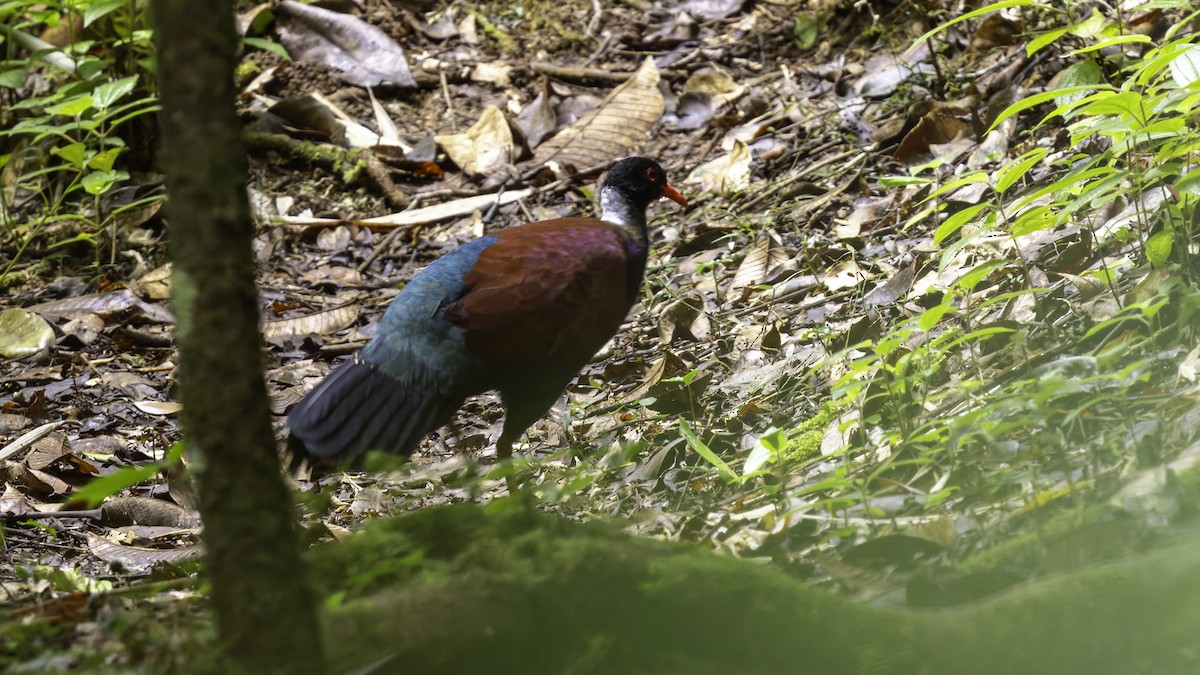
70 145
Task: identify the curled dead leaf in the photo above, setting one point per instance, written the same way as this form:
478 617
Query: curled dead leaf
488 143
725 174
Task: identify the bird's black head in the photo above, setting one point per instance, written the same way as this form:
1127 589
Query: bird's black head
641 181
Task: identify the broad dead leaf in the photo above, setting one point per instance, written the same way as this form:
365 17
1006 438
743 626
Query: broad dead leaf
620 123
766 254
361 53
935 128
537 120
488 143
104 304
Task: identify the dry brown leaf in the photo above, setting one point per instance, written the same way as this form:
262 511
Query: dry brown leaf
321 323
145 511
27 439
136 557
684 319
104 304
893 288
48 450
156 284
620 122
935 128
766 254
720 87
537 120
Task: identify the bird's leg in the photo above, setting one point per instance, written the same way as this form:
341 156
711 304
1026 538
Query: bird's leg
503 452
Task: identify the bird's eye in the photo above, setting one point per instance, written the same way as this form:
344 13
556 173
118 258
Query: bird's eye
652 175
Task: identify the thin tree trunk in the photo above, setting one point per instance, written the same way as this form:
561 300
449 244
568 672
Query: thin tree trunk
266 615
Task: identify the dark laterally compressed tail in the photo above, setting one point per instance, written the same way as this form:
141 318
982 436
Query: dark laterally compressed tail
360 408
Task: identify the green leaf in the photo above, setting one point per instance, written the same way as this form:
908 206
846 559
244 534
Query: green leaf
930 317
955 222
1034 220
986 9
1011 173
1114 103
1084 74
99 9
104 160
1115 42
1189 183
1043 39
764 451
706 452
804 30
13 79
73 107
110 92
1089 27
1185 68
268 46
1158 247
103 487
1036 100
72 154
99 182
971 279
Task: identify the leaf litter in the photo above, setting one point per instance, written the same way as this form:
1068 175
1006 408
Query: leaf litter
706 418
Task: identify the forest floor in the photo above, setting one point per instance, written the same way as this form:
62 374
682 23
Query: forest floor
880 350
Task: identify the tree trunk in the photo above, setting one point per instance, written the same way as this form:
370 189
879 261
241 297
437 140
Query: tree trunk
265 611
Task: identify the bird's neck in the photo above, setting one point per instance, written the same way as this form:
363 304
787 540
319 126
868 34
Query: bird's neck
616 209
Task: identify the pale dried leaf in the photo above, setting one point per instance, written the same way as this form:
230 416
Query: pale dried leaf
845 274
136 557
104 304
158 407
488 143
317 113
725 174
388 132
720 87
621 122
491 73
27 439
766 254
360 52
156 284
23 333
321 323
537 120
428 214
711 10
